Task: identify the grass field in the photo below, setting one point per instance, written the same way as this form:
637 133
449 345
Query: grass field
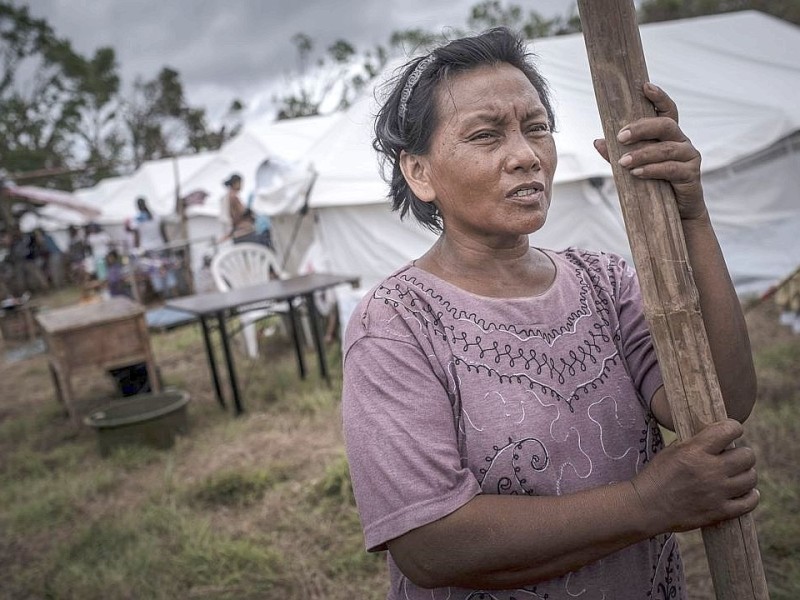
260 506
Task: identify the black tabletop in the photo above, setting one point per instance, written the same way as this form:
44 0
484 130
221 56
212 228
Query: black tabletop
277 289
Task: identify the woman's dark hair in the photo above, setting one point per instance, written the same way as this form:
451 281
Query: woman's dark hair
141 204
412 131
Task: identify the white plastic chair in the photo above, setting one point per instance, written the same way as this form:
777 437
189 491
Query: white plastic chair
246 264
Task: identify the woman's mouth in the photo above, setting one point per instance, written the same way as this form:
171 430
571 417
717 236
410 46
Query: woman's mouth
527 194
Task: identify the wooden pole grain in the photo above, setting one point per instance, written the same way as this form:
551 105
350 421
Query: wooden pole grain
670 297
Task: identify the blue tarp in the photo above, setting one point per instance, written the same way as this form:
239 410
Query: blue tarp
165 318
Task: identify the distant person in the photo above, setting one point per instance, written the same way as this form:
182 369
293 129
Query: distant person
37 259
238 221
99 243
147 228
115 275
51 256
18 260
76 253
149 237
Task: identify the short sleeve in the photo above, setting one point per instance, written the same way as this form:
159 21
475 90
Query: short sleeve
637 344
401 440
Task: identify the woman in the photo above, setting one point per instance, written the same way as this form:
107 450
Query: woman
149 232
501 402
238 220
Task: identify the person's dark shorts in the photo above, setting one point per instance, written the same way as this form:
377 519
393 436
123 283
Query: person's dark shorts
265 239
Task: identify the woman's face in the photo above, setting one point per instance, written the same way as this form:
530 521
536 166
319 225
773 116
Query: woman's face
492 158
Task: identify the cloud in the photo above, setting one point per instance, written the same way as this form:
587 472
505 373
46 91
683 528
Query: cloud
238 48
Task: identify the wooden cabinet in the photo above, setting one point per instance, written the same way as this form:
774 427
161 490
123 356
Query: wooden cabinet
108 335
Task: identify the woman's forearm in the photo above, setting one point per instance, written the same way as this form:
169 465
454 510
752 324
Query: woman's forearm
722 314
500 542
497 542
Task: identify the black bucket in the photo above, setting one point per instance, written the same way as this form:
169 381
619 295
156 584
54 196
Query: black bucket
132 380
147 419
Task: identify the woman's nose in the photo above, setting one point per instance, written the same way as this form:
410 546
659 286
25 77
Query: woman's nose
521 153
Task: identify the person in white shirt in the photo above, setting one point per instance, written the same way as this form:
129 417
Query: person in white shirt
148 236
148 229
99 244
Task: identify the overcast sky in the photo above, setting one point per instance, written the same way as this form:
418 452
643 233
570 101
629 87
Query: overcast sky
239 48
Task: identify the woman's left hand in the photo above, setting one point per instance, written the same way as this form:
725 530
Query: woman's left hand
664 152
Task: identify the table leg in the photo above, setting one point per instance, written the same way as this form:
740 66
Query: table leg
296 339
64 390
226 347
212 362
29 326
316 334
57 386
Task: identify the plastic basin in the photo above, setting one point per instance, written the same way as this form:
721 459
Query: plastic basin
146 419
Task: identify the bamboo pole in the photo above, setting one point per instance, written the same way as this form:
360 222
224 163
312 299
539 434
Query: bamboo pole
671 302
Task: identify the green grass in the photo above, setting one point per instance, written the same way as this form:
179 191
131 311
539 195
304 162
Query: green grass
163 551
778 368
234 488
335 484
260 506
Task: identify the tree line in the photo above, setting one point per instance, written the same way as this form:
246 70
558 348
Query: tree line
65 122
343 71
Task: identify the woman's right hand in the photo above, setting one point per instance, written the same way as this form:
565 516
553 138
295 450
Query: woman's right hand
699 481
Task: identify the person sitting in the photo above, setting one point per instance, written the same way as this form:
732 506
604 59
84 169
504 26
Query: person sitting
239 223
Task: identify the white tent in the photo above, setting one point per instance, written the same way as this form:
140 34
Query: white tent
281 144
284 142
157 181
52 210
735 78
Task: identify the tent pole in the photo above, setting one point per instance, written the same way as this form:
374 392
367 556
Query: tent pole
302 214
180 209
671 301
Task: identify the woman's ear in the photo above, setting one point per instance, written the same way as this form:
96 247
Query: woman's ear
417 171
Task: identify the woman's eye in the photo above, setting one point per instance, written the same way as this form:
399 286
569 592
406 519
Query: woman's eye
483 135
539 128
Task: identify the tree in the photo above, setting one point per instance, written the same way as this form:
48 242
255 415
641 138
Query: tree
412 40
304 45
666 10
100 129
62 113
339 75
45 87
200 135
494 13
161 123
